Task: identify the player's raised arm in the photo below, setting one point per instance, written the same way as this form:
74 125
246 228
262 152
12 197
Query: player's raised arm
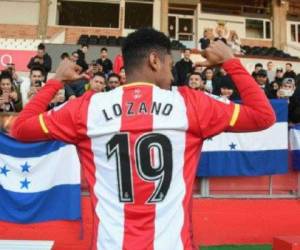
34 124
255 113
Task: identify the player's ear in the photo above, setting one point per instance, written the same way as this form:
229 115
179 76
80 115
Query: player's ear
154 61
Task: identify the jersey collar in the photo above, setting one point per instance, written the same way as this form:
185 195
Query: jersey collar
137 84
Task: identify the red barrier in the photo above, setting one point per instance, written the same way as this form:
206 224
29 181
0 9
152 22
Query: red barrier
19 57
286 243
215 222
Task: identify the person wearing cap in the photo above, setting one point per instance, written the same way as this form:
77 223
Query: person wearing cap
262 80
257 68
287 88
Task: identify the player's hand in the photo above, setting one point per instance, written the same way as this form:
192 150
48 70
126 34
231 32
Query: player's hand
216 54
68 71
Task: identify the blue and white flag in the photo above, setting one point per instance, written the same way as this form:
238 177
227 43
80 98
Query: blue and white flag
295 146
248 154
38 181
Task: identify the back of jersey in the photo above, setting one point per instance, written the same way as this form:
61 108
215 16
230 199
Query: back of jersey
145 161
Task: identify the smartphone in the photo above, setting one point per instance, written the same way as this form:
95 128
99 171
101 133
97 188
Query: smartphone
38 83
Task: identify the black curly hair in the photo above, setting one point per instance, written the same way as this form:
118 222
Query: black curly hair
140 43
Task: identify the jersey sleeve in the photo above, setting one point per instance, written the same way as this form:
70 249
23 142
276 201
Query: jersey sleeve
34 123
61 122
212 116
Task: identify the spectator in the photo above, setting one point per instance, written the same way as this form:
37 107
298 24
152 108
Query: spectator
235 43
81 57
279 75
105 61
211 83
287 88
270 73
274 86
294 107
10 100
222 79
78 87
196 82
220 36
58 99
205 40
34 88
31 85
118 64
42 59
198 68
11 68
74 57
289 72
122 76
98 83
183 68
64 55
226 88
262 80
257 68
113 81
95 68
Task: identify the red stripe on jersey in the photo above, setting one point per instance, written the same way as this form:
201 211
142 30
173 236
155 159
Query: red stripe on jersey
139 216
191 157
86 156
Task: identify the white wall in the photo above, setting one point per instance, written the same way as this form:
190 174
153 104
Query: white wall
52 13
19 12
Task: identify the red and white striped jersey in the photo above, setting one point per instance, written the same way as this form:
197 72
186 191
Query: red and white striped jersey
139 146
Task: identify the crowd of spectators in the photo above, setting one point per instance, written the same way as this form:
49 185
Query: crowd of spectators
276 83
16 91
104 75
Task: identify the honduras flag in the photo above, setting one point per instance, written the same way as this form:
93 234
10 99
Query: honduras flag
295 146
249 154
38 181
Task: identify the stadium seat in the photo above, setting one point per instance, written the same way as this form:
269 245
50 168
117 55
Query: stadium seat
286 243
83 39
265 51
112 41
93 40
102 40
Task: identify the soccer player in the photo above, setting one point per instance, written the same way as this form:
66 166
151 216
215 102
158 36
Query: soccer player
139 144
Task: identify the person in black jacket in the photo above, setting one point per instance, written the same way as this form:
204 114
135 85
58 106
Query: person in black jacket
183 68
81 57
105 61
205 40
294 107
289 72
42 59
262 80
